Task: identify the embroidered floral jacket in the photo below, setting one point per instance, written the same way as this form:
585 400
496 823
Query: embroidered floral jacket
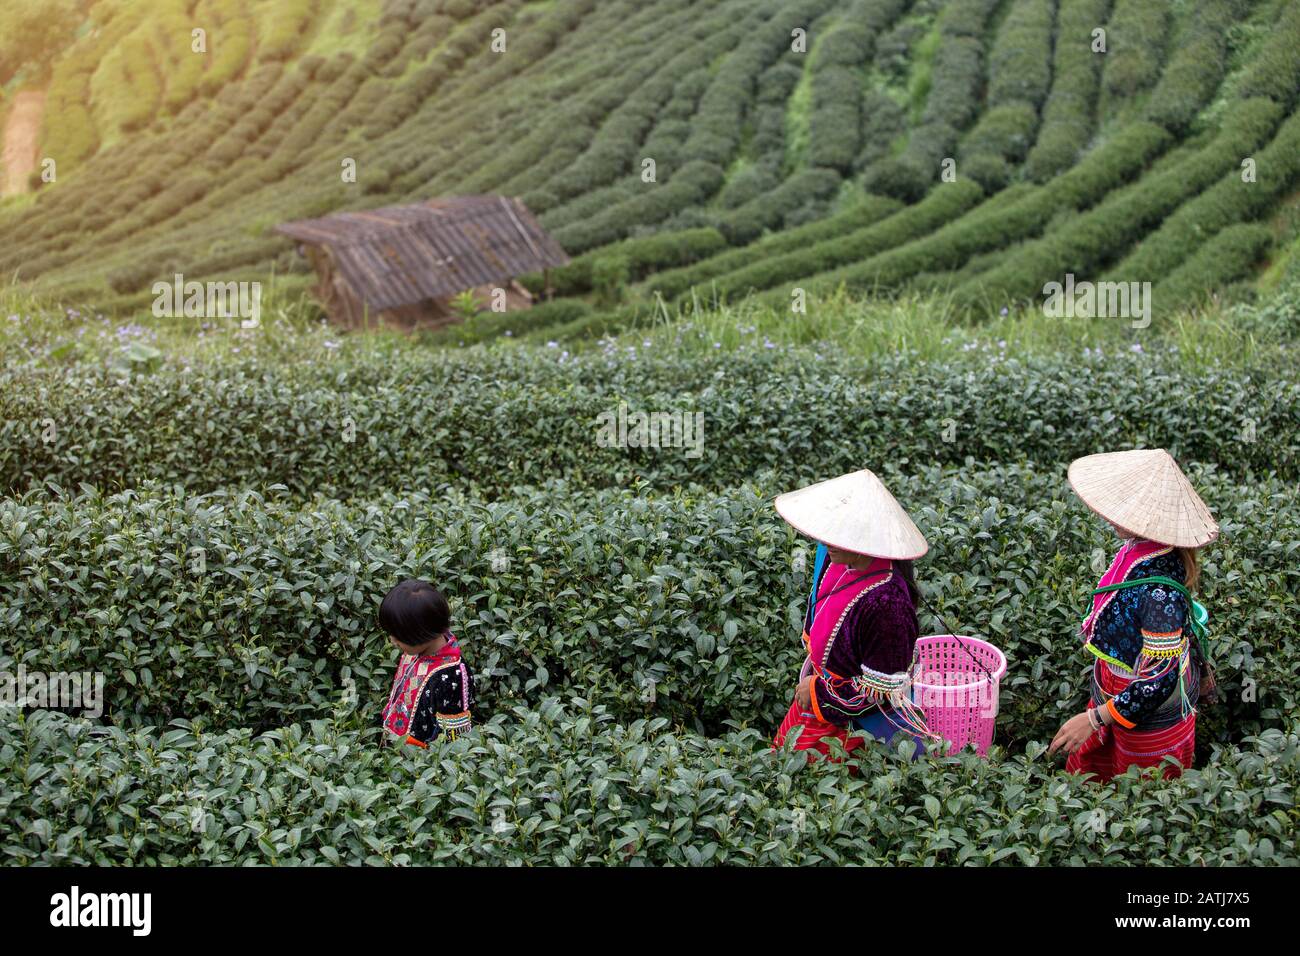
431 696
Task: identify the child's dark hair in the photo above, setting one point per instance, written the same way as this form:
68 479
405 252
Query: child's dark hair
414 613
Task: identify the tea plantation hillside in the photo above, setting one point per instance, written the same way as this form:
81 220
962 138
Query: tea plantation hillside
679 149
208 514
203 532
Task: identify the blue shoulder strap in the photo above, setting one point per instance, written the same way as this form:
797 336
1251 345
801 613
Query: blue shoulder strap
819 566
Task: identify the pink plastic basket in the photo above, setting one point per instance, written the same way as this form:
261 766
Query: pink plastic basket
958 697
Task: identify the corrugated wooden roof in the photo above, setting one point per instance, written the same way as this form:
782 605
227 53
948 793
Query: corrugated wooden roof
401 255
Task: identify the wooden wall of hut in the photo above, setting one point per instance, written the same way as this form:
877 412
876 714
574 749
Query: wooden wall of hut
344 307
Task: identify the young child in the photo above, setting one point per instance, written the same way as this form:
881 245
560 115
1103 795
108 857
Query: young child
432 687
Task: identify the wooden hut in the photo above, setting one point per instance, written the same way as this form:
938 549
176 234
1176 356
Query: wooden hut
402 265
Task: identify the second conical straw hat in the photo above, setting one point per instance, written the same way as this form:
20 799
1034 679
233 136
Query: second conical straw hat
1145 493
854 512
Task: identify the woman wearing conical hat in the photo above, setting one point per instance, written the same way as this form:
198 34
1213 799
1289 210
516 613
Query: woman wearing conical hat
860 625
1147 672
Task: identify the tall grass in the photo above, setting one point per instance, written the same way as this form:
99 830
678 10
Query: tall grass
37 331
34 330
923 326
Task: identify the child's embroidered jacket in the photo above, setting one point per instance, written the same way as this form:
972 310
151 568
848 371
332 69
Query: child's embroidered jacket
431 696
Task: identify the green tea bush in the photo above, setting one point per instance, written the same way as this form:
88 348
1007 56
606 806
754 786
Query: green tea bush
1005 132
125 90
945 203
671 283
1229 201
997 224
231 48
744 225
593 325
894 48
883 122
835 127
68 133
578 211
492 325
835 123
517 419
750 183
1019 75
1136 37
642 255
654 202
1275 72
991 171
334 67
953 102
1067 118
1195 68
284 28
899 179
717 126
249 609
1020 62
566 785
965 19
1223 259
1094 238
956 79
624 114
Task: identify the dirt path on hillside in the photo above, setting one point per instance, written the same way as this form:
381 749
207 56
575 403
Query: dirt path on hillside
21 132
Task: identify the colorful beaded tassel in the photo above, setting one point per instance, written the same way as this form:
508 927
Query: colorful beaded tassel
454 725
895 690
1160 652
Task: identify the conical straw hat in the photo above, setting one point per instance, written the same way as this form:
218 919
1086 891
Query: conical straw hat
1145 493
853 512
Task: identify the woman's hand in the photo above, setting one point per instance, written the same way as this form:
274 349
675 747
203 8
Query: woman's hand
803 693
1073 734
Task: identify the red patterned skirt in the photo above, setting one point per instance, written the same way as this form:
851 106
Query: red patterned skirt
1110 751
816 734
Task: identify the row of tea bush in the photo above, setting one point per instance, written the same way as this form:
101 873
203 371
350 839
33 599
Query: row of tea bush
565 785
355 425
244 609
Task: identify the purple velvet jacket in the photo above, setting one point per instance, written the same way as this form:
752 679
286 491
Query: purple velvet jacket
880 632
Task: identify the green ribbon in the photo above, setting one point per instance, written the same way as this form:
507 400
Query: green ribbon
1199 613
